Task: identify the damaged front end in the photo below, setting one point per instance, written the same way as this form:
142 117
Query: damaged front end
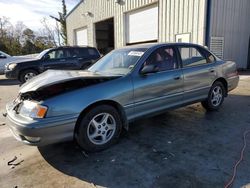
52 90
47 85
41 114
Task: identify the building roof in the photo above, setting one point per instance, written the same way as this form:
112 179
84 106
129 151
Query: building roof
81 1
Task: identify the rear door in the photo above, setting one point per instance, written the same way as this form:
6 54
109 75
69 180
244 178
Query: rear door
86 56
198 72
157 91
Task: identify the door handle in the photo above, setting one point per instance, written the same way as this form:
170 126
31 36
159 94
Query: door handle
62 59
177 77
211 70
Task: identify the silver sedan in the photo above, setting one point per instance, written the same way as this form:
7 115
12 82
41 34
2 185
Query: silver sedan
93 106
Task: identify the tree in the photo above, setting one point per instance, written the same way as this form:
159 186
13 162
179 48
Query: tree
4 23
49 31
62 20
20 40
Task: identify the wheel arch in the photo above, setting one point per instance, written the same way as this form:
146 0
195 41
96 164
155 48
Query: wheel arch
112 103
25 69
224 82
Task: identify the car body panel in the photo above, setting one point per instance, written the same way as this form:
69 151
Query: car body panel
110 90
134 94
157 91
51 77
197 81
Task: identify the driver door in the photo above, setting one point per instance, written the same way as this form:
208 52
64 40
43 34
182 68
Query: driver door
158 91
58 59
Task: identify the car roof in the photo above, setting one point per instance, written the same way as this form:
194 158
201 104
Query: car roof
66 47
151 45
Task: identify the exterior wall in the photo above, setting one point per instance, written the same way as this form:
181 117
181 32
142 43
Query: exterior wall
101 10
230 19
175 17
180 17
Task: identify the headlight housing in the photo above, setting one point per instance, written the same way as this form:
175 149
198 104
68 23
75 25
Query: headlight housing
11 66
33 110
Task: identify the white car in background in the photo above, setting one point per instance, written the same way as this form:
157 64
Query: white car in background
6 58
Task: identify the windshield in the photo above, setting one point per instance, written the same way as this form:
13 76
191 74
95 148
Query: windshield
118 61
2 53
42 54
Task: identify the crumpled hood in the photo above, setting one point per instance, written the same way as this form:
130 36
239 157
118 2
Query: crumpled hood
54 77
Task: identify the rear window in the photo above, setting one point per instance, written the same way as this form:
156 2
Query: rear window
80 52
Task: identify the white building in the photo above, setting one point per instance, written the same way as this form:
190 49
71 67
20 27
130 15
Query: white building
222 25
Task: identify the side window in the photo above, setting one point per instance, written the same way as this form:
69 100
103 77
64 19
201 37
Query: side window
75 52
210 57
163 58
56 54
92 51
191 57
83 52
67 53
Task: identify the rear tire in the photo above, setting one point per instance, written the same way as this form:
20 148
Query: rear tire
99 128
27 75
215 97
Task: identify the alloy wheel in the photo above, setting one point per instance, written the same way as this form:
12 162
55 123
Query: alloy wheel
217 96
101 128
29 75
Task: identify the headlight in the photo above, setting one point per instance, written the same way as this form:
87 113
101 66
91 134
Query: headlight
33 110
12 66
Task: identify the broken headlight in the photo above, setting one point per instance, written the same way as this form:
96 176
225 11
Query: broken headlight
32 110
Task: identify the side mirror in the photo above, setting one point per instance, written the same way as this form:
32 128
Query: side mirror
149 69
2 56
46 57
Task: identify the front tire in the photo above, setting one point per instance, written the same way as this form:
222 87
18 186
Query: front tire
215 97
99 128
27 75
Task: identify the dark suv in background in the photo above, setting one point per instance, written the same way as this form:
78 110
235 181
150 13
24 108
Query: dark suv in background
62 58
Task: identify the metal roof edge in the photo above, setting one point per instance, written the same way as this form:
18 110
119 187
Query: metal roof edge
74 8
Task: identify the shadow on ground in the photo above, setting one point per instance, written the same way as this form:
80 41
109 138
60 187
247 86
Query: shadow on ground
187 147
5 82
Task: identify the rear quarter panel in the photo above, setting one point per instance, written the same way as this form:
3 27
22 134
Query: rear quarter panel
229 72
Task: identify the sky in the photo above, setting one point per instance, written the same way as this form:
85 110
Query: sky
31 12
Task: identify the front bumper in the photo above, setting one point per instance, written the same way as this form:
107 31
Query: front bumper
2 71
11 74
41 131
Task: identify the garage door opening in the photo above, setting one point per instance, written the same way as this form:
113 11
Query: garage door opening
142 25
81 37
104 31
